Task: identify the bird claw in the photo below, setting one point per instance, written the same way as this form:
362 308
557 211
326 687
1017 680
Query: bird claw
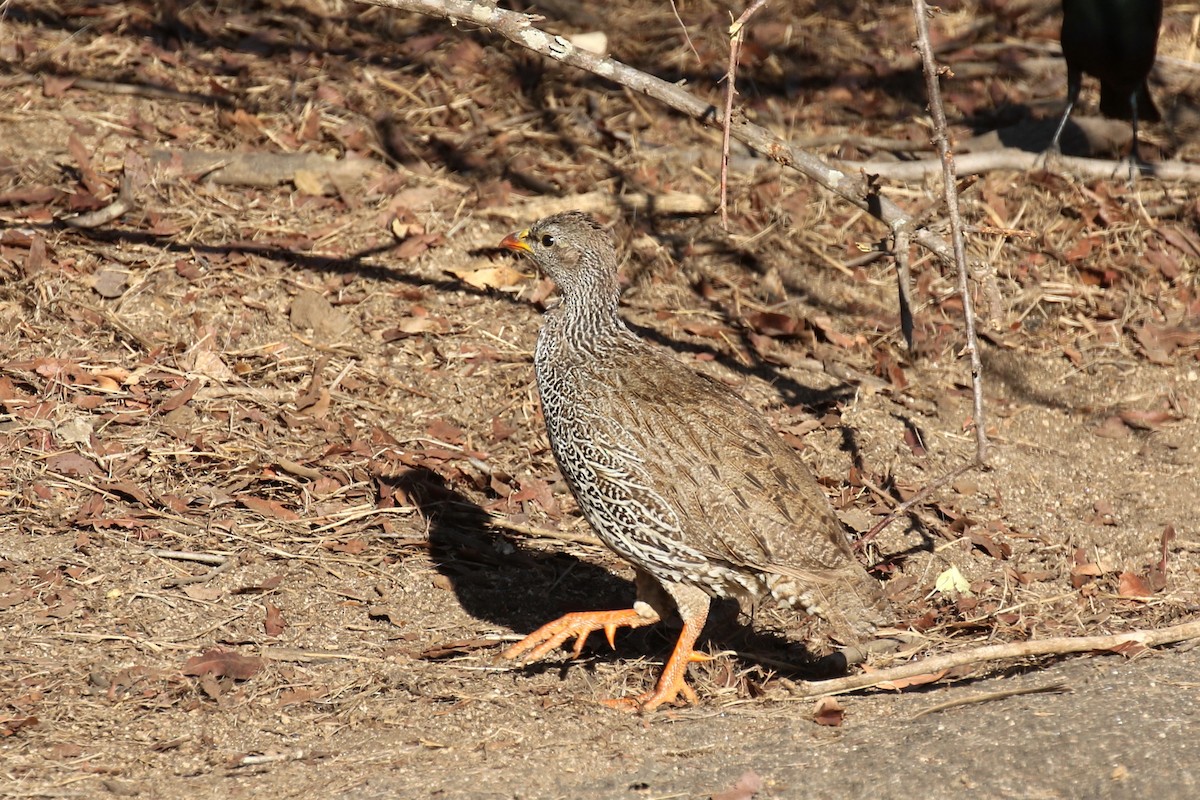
649 701
578 626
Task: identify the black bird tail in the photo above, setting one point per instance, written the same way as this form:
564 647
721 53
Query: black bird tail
1114 103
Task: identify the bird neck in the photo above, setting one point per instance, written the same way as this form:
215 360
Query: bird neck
588 315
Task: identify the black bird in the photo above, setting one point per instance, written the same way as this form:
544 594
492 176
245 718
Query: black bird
1114 41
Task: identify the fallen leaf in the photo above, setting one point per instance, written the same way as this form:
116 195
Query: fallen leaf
444 431
351 547
180 399
413 246
210 365
900 684
747 786
415 326
1146 420
502 277
385 612
309 182
951 583
1160 341
297 696
769 323
203 593
829 712
913 440
269 508
1130 649
274 624
72 464
833 335
501 430
219 662
268 585
997 550
10 725
1132 586
110 283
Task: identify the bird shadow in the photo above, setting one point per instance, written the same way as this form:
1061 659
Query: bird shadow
496 578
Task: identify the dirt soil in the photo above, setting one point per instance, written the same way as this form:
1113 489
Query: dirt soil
275 485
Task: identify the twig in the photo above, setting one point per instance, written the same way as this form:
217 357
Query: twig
499 521
519 28
224 566
920 496
291 755
124 203
1017 160
990 696
686 38
901 243
179 555
996 652
942 140
737 32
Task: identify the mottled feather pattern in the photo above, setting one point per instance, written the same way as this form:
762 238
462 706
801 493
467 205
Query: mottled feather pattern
674 471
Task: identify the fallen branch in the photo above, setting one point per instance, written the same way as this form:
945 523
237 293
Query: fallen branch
118 208
519 29
187 580
1045 647
1017 160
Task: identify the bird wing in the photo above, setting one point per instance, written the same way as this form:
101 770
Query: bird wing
742 494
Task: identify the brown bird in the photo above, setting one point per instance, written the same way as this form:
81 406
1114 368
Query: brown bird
674 472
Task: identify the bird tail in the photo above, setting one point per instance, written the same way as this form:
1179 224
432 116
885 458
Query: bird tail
848 599
858 607
1115 104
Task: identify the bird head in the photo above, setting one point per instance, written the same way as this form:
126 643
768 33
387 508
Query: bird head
571 248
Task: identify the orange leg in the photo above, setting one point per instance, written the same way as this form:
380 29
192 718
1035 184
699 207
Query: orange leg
578 626
671 683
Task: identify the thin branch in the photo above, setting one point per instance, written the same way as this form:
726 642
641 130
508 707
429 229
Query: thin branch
942 140
1017 160
686 38
737 32
988 697
1045 647
903 508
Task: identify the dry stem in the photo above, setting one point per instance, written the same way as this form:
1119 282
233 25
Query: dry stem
942 140
1045 647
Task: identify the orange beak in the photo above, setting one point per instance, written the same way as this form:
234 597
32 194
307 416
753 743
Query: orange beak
517 241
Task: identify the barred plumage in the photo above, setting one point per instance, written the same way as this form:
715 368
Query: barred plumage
674 472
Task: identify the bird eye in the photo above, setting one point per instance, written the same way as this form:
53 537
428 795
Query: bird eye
547 240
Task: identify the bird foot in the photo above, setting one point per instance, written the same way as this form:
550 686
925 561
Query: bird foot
578 626
667 691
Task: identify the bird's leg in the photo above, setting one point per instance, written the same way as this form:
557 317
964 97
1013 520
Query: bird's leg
578 626
672 682
1074 84
1135 156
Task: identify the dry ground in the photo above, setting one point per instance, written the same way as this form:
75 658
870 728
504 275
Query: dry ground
324 389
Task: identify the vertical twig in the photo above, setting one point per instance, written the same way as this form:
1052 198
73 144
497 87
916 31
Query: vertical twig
900 249
686 37
737 31
942 140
